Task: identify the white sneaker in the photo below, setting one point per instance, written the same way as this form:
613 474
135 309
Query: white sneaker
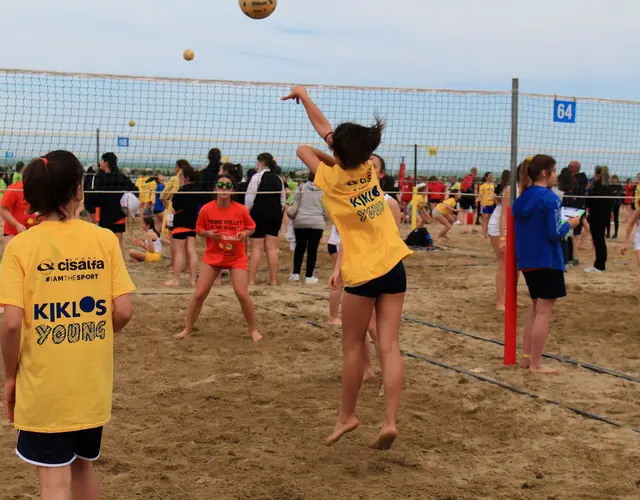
294 277
311 281
457 223
592 270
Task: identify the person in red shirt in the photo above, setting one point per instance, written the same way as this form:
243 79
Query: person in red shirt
436 190
629 193
406 195
15 212
226 225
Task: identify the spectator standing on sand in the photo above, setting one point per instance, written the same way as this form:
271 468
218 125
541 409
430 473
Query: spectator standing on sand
574 197
600 205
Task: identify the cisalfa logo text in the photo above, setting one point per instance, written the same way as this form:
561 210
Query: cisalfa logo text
47 266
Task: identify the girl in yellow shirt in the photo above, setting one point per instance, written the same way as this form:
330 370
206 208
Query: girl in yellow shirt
66 291
445 213
372 255
487 200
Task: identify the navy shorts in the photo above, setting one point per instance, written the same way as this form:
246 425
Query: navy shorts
488 210
333 249
115 228
59 449
394 282
545 283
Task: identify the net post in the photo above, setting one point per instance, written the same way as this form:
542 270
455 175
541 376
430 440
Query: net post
97 148
511 282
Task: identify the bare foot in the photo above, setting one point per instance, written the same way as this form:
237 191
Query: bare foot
368 375
255 336
341 429
172 283
192 282
385 439
544 370
183 334
524 363
335 322
381 393
500 307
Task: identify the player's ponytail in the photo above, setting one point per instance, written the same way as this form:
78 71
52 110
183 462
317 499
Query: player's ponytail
354 144
51 183
269 161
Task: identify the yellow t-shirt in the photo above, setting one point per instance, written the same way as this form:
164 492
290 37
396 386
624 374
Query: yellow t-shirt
447 206
371 241
170 188
457 186
64 276
141 184
150 191
419 200
637 200
486 192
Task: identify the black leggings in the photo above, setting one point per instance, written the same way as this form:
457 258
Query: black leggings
307 240
616 221
598 230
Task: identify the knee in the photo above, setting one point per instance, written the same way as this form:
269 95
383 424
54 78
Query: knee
243 295
201 295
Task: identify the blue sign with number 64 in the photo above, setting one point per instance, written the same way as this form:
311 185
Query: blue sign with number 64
123 142
564 111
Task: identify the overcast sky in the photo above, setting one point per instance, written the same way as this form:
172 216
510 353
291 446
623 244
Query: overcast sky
569 47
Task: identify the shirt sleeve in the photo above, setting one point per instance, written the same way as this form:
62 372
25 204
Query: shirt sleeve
201 223
121 283
11 278
247 220
283 195
9 199
252 189
325 177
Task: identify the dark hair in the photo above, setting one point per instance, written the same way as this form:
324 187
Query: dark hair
112 161
149 221
535 167
235 170
453 193
91 170
603 172
505 177
354 144
486 176
269 161
182 164
19 166
51 182
383 164
189 173
214 156
565 180
227 175
311 176
250 173
388 184
433 178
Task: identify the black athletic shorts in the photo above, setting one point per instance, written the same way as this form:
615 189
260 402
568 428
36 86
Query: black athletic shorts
333 249
467 202
158 212
183 235
545 283
59 449
266 227
394 282
115 228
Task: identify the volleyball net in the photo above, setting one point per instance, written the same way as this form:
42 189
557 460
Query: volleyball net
149 123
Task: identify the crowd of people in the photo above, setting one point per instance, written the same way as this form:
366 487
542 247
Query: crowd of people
66 290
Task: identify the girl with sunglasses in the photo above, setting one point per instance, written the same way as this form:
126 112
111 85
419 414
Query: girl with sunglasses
226 225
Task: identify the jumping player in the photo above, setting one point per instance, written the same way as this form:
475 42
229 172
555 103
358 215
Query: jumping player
372 268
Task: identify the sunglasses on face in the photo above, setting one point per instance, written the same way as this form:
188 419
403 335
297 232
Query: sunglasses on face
225 185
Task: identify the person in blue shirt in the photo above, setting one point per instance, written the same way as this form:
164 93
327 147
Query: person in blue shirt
158 205
539 232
